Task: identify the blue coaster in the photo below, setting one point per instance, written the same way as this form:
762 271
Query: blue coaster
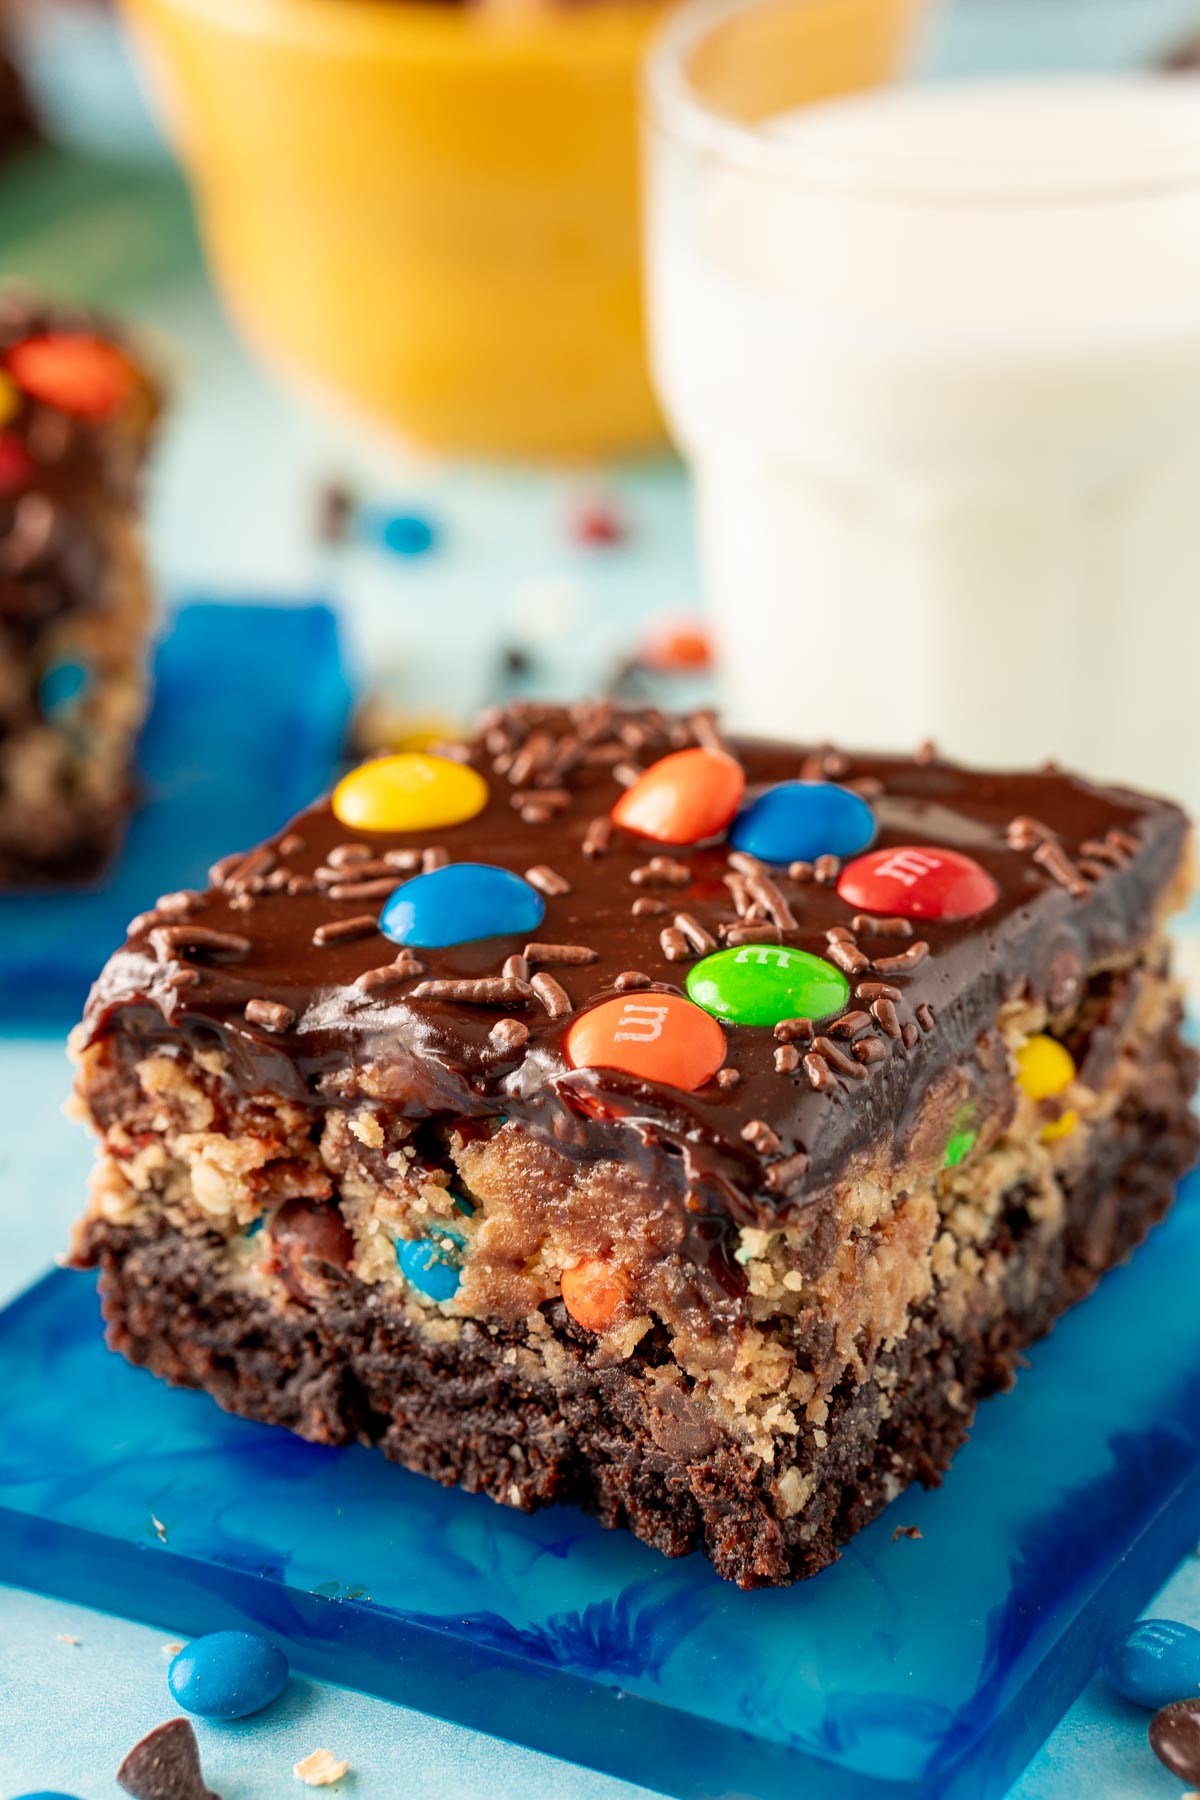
250 708
928 1668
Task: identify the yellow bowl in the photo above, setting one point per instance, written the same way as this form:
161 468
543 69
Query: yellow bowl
431 209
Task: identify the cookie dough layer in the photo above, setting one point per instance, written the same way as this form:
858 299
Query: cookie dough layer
539 1412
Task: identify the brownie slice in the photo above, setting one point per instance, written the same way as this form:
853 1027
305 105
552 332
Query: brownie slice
607 1114
77 412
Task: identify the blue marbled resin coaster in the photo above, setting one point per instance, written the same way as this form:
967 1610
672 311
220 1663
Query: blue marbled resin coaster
931 1667
249 713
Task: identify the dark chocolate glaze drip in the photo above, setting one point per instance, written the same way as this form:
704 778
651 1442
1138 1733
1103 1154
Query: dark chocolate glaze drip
435 1059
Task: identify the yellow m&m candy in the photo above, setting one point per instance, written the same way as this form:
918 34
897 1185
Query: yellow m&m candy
1045 1069
10 399
409 792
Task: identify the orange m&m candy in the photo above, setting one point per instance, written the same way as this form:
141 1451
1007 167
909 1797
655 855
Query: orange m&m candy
657 1037
592 1292
80 373
687 796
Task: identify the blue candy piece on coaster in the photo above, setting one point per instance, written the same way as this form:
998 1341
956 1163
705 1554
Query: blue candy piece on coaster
801 820
431 1264
403 533
45 1794
1154 1662
62 686
459 903
228 1674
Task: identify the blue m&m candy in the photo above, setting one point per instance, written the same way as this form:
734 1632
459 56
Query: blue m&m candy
760 984
433 1264
45 1794
228 1674
797 821
403 533
1154 1662
460 903
62 687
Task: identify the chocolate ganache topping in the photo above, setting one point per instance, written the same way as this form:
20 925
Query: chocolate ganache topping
282 965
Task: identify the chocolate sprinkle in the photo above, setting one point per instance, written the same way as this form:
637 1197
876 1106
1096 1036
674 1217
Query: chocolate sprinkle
1054 859
553 996
837 1058
488 990
782 1175
629 980
759 1135
905 961
391 975
509 1034
167 941
702 941
753 934
882 927
339 931
787 1059
558 953
849 958
272 1015
675 946
789 1029
547 881
883 1011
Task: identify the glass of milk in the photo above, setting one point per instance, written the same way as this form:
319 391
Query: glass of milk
934 355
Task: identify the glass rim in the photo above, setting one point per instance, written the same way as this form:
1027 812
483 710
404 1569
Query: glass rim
673 106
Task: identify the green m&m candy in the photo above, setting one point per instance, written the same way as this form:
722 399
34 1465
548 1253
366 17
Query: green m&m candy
760 984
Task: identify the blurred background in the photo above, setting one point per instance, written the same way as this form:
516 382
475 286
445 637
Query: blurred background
387 254
835 360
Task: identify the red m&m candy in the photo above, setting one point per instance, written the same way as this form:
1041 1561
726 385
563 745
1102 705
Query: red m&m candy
690 795
80 373
657 1037
918 881
16 464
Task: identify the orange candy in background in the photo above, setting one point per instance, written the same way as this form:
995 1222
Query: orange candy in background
684 798
73 370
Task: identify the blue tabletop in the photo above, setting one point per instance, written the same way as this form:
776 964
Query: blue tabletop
77 1688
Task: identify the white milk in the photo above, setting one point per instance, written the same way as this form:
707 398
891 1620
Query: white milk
935 357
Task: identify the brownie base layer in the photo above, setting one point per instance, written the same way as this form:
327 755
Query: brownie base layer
600 1437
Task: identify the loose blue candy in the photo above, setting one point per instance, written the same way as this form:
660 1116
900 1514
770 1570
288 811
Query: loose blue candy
459 903
431 1265
45 1794
404 533
797 821
227 1674
1154 1662
61 686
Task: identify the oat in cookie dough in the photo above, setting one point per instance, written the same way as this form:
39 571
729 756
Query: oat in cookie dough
77 413
604 1113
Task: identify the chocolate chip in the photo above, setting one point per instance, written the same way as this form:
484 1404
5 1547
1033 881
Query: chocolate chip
165 1765
310 1245
1175 1738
